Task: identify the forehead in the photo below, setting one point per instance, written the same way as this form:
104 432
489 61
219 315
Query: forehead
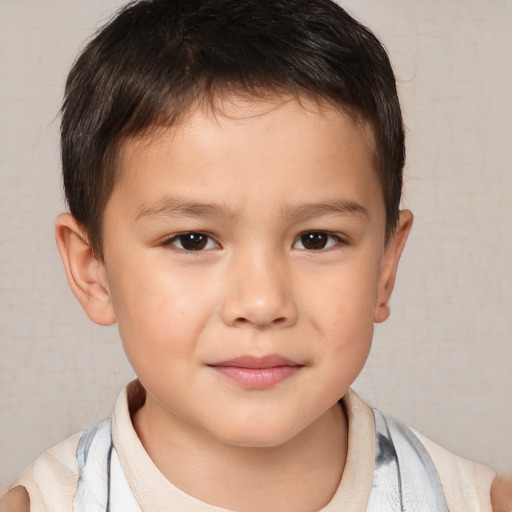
251 146
242 108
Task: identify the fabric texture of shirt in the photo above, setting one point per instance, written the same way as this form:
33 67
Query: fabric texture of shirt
389 468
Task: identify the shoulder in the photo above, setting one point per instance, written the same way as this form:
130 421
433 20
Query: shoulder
49 483
466 484
469 484
16 500
501 494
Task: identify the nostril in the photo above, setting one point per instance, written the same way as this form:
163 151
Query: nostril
276 321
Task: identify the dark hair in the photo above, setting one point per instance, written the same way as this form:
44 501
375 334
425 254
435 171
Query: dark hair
155 59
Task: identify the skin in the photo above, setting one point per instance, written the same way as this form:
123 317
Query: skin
16 500
501 494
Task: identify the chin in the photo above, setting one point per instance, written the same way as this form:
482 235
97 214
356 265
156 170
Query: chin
261 434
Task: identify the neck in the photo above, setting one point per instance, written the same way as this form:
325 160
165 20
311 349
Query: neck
301 474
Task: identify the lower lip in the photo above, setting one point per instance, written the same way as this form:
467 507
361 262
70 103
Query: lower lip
257 378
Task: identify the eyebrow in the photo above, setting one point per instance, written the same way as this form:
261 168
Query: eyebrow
171 206
336 207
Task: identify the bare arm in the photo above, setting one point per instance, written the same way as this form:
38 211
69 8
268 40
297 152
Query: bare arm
501 495
16 500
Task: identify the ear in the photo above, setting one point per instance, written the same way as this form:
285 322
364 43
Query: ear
389 265
86 274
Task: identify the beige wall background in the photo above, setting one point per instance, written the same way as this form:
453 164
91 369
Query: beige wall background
442 363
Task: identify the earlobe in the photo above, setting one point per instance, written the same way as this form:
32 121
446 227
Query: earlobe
389 265
85 272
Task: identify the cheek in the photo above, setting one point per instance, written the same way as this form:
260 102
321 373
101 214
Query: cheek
157 312
341 309
343 299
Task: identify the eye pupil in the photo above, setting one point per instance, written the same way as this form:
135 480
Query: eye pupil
193 241
314 240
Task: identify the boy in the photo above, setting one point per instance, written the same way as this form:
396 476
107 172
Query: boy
233 172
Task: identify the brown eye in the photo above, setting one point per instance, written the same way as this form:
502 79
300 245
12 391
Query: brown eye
193 241
316 241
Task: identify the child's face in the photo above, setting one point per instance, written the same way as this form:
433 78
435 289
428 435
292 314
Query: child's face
290 271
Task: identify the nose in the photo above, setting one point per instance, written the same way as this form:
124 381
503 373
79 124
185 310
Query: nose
260 294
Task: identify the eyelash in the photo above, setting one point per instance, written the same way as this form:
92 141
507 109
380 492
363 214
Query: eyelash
181 236
336 239
204 241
